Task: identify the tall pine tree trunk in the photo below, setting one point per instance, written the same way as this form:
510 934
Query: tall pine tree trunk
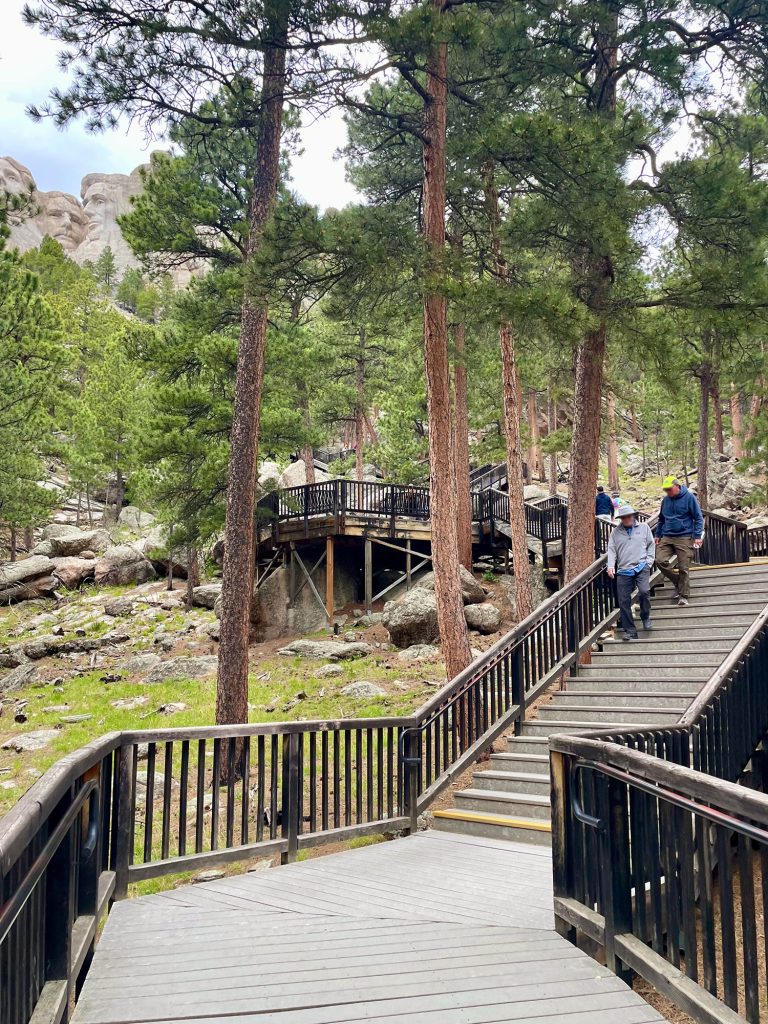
597 282
511 408
237 581
551 427
193 574
637 434
702 456
717 410
450 606
535 463
461 447
737 427
360 410
613 444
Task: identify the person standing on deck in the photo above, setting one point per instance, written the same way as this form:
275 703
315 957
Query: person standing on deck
630 559
678 532
603 504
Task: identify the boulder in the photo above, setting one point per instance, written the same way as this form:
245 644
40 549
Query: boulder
184 667
538 588
217 552
731 492
155 548
271 613
45 547
26 741
326 672
119 607
140 663
71 542
635 466
72 572
722 512
205 595
269 473
485 618
412 619
123 563
296 474
533 491
28 579
331 650
361 688
18 678
136 520
419 652
471 591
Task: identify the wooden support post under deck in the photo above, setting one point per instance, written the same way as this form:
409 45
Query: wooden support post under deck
329 551
368 575
408 564
292 578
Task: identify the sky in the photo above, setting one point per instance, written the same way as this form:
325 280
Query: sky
60 159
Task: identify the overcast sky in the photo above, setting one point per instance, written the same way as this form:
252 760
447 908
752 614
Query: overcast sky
60 159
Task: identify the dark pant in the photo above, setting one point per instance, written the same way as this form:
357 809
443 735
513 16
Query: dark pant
666 549
625 586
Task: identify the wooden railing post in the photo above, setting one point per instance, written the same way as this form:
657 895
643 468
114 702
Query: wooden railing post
60 912
410 768
290 796
518 686
124 824
616 880
561 851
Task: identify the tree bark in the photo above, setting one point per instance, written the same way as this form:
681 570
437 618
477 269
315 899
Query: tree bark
461 447
717 409
535 463
637 434
597 274
450 606
512 418
702 456
737 429
29 538
360 409
193 573
551 427
308 458
613 445
237 581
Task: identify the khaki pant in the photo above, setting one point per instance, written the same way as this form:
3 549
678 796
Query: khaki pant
679 575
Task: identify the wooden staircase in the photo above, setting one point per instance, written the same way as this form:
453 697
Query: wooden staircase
645 682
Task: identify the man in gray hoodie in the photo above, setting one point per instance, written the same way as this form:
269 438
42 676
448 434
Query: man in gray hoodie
631 552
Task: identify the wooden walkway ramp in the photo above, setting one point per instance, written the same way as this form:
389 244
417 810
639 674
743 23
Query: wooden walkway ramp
433 929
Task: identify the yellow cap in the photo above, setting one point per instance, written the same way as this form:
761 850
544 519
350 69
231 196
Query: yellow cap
669 481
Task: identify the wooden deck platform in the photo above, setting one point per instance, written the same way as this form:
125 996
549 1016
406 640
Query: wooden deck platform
433 929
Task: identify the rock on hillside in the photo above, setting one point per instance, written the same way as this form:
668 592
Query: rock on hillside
30 578
471 591
412 619
123 563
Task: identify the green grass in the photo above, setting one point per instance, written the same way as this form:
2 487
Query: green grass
87 694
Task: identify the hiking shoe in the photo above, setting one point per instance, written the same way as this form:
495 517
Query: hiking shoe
682 602
629 636
675 597
647 624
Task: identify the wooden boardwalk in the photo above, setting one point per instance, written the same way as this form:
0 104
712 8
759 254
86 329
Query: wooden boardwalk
433 929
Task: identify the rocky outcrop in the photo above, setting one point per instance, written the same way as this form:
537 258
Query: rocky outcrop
68 541
361 688
412 619
155 548
28 579
136 520
330 650
296 474
38 739
485 617
184 667
48 646
18 677
471 591
123 563
205 595
72 572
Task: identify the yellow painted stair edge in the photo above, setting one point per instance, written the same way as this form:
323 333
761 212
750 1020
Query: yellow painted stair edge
494 819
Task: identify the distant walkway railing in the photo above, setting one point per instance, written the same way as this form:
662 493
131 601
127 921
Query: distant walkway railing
653 840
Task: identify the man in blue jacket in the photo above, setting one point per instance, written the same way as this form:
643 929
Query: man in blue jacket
678 532
603 504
